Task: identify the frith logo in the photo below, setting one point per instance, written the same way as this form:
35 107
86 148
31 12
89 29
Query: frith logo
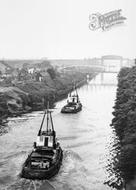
106 21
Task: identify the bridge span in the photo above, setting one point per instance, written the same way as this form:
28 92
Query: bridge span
106 64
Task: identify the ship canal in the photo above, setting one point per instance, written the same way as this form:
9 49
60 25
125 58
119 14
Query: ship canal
85 137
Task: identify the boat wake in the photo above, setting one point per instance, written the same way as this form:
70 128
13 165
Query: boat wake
4 128
73 174
23 184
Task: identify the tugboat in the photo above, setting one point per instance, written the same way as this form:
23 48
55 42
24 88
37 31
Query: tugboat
45 160
73 103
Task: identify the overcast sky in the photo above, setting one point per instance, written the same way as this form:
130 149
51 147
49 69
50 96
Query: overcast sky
59 29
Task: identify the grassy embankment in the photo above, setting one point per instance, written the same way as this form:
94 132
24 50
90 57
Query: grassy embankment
124 125
28 95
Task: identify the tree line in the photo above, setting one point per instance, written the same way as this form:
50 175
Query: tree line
123 163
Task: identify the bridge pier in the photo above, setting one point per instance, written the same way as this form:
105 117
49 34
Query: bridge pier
102 78
108 67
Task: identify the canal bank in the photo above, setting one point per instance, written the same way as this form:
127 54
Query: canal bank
123 162
27 96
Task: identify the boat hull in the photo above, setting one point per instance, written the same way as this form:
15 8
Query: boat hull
65 110
42 174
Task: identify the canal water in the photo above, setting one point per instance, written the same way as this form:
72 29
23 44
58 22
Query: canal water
85 137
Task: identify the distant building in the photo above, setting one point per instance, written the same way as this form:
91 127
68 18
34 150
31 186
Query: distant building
31 70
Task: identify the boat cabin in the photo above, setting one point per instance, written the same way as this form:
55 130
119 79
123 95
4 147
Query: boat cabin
46 139
73 99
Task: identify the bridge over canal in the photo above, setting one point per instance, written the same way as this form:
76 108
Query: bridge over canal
106 64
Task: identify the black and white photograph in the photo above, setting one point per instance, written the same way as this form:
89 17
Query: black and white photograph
67 95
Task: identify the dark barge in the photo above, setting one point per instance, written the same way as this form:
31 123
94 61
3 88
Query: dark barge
45 159
73 103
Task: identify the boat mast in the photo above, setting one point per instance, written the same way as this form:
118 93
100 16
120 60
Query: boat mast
53 132
47 115
51 121
42 124
76 93
76 90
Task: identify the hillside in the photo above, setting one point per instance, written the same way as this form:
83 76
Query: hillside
30 95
